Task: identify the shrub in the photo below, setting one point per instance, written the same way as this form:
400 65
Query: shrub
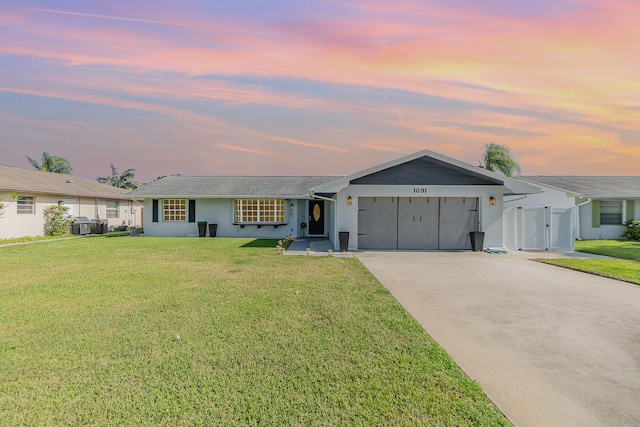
632 231
56 220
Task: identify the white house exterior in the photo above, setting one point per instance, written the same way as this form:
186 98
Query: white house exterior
601 204
423 201
541 221
38 190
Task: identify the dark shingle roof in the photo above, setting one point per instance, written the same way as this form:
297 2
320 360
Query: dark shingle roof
593 185
224 186
21 180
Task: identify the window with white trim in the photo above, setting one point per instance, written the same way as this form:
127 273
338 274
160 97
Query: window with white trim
113 208
174 210
26 205
611 212
259 211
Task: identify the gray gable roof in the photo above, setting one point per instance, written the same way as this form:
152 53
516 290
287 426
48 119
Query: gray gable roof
426 171
593 186
227 186
449 171
22 180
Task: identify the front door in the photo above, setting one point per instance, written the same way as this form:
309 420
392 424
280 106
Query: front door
316 217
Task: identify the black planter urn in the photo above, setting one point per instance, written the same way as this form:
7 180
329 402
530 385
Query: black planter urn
202 228
344 240
477 241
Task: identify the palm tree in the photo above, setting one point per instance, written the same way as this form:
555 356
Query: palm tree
51 164
124 180
497 158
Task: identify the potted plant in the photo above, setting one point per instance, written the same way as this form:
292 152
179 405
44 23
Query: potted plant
202 228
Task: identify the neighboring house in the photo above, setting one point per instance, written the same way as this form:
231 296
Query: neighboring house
37 190
424 201
601 204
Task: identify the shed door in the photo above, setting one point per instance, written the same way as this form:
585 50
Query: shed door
534 228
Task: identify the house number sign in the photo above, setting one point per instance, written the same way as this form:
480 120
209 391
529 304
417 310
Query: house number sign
419 190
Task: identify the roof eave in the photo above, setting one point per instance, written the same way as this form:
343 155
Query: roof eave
539 184
219 196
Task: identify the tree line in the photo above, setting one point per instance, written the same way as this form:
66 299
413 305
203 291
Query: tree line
57 164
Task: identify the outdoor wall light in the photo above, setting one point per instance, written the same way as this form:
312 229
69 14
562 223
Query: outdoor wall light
292 207
349 200
492 201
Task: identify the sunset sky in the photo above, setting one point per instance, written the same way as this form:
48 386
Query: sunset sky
319 87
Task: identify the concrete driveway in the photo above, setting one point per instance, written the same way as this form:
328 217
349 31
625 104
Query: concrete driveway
549 346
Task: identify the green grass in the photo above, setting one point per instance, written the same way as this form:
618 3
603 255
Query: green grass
28 239
619 269
163 331
614 248
625 267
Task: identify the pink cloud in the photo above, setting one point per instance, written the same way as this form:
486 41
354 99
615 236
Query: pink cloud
572 68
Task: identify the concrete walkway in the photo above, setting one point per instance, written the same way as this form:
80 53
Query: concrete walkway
549 346
318 246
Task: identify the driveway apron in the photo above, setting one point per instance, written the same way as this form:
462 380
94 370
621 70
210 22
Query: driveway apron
550 346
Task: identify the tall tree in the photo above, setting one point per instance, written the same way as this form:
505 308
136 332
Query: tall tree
124 180
51 164
497 158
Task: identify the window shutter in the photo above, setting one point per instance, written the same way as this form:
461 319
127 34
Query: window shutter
155 210
631 211
595 213
192 210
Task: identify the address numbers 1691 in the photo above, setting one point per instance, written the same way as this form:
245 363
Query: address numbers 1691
419 190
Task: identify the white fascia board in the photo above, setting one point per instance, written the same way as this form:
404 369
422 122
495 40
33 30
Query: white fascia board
539 184
331 187
517 187
612 196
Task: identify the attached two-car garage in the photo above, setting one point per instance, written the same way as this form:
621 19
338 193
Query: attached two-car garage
416 223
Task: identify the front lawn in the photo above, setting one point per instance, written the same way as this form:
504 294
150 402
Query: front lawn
625 267
619 269
614 248
190 331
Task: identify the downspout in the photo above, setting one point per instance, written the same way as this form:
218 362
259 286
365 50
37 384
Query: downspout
133 200
578 217
315 196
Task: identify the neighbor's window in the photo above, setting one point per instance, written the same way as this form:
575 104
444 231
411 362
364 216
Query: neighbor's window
174 210
113 208
611 212
26 205
259 210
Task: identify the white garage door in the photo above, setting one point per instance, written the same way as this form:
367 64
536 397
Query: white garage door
419 223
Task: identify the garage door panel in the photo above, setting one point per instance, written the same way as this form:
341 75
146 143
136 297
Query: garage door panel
458 217
418 223
378 222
